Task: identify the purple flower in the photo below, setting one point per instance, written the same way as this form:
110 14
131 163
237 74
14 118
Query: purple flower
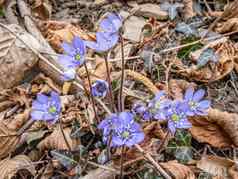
177 117
196 105
159 105
127 131
104 41
74 53
122 128
46 108
69 74
111 23
108 36
99 88
141 110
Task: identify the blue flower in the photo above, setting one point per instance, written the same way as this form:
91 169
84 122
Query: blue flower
177 116
104 41
127 131
46 108
69 74
159 105
108 36
141 110
74 53
112 23
196 105
100 88
123 130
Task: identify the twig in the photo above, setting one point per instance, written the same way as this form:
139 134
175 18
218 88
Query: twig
121 162
121 106
109 84
91 95
25 127
155 164
103 105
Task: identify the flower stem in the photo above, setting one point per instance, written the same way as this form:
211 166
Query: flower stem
90 91
121 106
121 162
63 134
109 85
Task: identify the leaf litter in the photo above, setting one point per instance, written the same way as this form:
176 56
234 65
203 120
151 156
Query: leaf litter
170 46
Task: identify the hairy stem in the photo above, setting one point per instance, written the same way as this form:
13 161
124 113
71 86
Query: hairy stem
121 162
110 85
121 106
90 95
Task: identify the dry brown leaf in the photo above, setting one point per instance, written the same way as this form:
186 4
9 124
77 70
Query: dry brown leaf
42 9
206 132
10 167
177 170
100 174
57 32
16 59
188 9
233 172
215 71
56 141
217 166
229 26
146 81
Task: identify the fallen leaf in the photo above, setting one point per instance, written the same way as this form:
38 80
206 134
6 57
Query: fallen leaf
9 167
230 25
171 8
186 29
56 140
217 166
188 9
57 32
233 172
16 59
42 9
177 170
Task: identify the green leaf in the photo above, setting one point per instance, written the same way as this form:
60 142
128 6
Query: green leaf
184 154
65 158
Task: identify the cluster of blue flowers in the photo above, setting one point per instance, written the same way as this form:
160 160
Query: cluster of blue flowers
176 112
119 129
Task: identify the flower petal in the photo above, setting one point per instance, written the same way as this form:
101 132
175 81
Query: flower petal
68 48
78 44
126 117
189 94
198 95
205 104
37 115
42 98
183 124
67 61
117 141
171 127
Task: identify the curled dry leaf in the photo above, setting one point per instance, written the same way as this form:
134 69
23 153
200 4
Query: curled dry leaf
10 167
188 9
229 26
219 129
217 166
8 129
212 71
16 59
146 81
56 140
42 9
177 170
57 32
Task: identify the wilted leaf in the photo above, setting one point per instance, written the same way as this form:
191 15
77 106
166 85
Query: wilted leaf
42 9
177 170
217 166
34 136
100 174
231 25
65 158
10 167
207 55
188 9
56 140
15 57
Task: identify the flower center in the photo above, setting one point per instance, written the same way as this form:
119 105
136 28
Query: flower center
52 109
175 117
125 134
157 105
192 104
77 57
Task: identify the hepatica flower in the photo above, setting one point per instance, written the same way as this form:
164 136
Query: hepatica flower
74 53
196 106
46 108
177 116
123 129
108 36
142 111
158 106
100 88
